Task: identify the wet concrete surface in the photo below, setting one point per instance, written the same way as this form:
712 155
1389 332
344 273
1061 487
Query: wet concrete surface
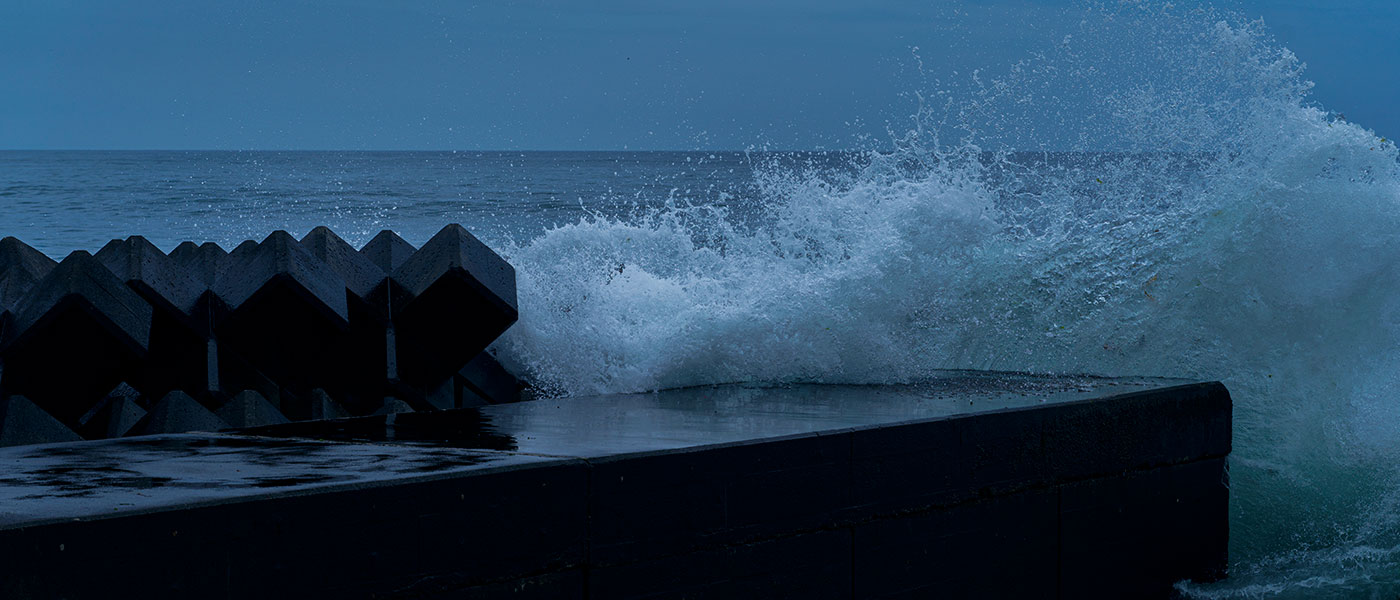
751 490
103 478
112 477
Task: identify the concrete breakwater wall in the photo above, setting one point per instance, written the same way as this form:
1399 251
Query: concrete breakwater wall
970 485
132 340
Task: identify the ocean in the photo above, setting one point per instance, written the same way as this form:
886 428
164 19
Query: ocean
1183 210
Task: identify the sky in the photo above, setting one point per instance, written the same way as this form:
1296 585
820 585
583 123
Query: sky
555 75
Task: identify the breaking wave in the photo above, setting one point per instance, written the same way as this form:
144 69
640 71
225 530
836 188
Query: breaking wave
1156 194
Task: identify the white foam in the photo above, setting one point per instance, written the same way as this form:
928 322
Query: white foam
1272 263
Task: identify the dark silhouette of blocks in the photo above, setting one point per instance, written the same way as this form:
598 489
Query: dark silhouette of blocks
322 407
201 261
113 416
363 359
388 251
178 350
151 273
483 377
20 268
177 412
360 274
463 299
21 423
273 330
393 406
79 333
250 409
289 313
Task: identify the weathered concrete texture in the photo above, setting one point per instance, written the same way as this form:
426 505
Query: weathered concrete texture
732 491
21 423
360 274
79 332
393 406
282 318
289 312
361 360
323 407
151 273
484 381
114 416
20 268
388 251
178 344
463 298
250 409
177 412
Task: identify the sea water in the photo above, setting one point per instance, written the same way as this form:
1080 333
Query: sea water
1156 194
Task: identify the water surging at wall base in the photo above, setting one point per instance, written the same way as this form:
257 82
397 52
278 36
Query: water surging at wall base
1185 211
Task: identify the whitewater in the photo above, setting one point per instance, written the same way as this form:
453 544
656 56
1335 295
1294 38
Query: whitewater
1155 195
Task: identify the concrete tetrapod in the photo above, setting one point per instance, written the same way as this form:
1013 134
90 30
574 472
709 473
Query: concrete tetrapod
21 423
463 299
78 334
178 350
362 363
20 268
289 312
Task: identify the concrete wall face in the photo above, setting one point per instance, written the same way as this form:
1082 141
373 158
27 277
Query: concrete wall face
307 325
999 503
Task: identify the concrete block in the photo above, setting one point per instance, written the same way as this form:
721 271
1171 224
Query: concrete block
485 378
281 262
21 423
1145 430
393 406
289 312
178 347
361 275
200 261
20 268
463 298
78 334
907 466
669 504
114 416
388 251
810 565
249 409
1000 547
322 407
1136 534
177 412
366 355
151 273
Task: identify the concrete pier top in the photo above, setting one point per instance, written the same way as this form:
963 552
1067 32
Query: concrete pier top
111 477
1076 486
621 424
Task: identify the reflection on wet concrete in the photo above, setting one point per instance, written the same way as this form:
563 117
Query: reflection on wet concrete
465 428
83 479
619 424
89 478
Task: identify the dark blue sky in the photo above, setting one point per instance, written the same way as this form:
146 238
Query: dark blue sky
638 74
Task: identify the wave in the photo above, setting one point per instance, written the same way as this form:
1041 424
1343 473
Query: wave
1156 194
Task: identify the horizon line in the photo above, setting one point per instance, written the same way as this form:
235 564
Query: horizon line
734 151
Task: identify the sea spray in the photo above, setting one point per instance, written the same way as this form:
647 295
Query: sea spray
1154 195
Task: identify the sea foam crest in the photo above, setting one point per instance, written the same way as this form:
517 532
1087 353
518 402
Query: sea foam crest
1154 195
